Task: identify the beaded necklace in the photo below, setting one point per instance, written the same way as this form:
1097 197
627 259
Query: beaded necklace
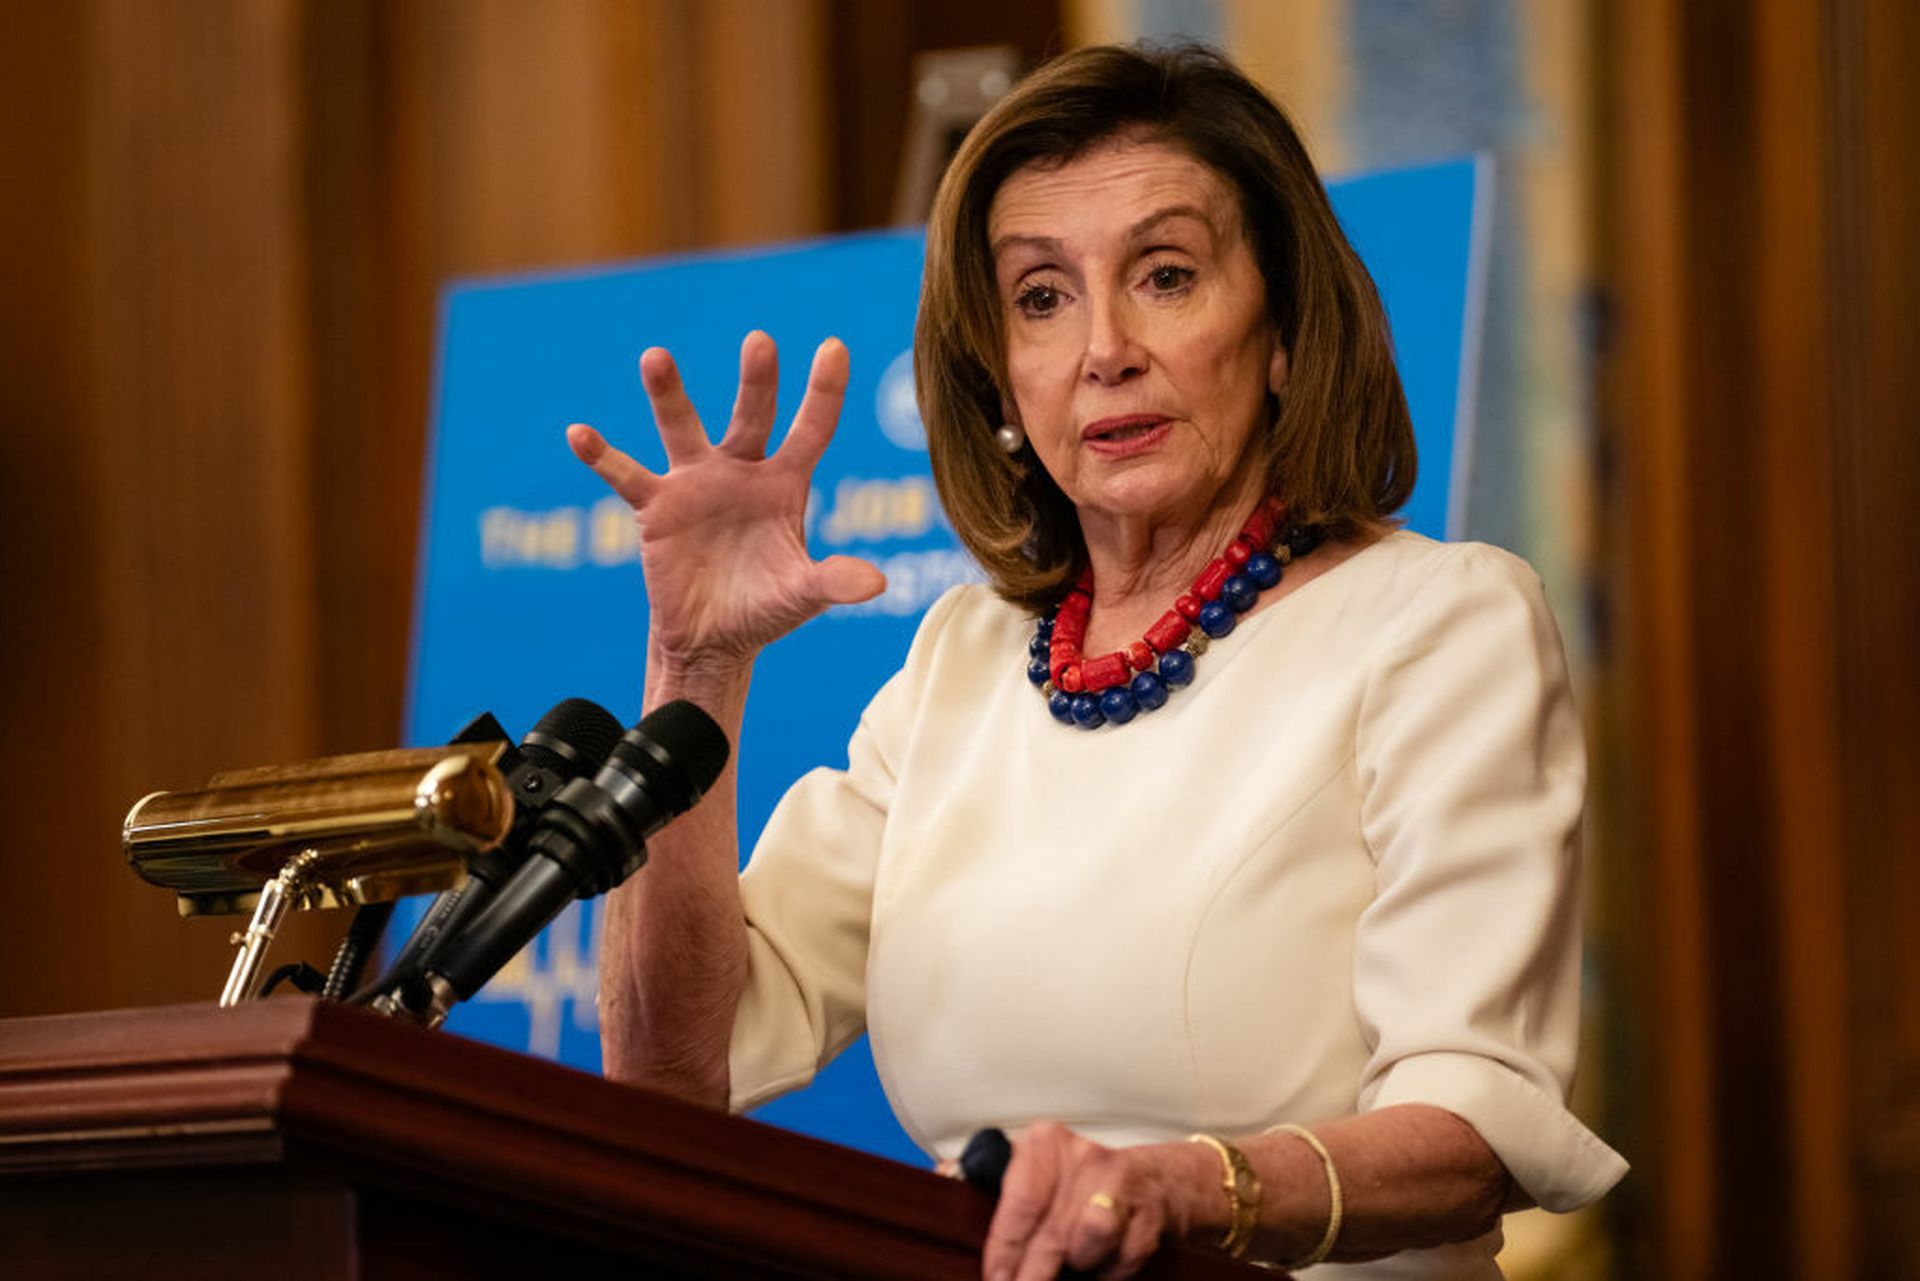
1090 692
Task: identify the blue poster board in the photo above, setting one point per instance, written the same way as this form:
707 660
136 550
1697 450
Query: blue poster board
530 589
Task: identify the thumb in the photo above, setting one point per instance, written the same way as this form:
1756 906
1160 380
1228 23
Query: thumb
847 580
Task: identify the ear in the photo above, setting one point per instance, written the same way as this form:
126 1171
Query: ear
1278 369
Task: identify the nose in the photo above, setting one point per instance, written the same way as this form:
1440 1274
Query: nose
1114 353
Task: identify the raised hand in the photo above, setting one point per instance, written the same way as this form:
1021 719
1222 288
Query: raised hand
721 533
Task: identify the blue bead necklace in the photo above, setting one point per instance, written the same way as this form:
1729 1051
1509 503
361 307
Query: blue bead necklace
1114 688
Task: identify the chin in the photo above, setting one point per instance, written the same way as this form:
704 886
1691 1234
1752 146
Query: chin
1146 496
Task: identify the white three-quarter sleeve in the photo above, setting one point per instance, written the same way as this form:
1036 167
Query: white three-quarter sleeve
1467 963
807 893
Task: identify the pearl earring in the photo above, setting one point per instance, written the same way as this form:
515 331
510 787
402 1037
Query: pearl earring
1010 437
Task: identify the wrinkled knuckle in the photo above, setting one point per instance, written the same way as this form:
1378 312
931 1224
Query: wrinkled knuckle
1138 1184
1024 1203
1095 1170
1020 1211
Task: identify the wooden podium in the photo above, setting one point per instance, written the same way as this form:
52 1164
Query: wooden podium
294 1139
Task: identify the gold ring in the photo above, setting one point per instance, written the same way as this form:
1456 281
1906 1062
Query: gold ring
1105 1201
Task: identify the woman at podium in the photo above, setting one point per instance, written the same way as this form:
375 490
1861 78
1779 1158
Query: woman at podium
1221 846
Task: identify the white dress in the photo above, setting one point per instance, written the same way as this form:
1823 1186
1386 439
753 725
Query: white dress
1337 872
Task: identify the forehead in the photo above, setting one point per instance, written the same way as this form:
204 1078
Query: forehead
1113 185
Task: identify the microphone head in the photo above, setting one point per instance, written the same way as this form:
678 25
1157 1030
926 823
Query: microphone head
679 750
984 1161
591 837
597 829
573 738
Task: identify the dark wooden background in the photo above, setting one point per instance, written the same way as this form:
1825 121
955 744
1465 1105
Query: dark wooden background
1761 405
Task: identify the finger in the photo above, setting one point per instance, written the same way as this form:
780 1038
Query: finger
1044 1258
673 413
1094 1228
847 580
1026 1194
820 408
1104 1200
757 400
623 475
1137 1245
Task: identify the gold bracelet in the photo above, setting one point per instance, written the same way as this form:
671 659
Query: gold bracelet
1334 1197
1242 1187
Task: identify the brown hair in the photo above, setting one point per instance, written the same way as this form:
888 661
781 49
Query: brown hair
1340 449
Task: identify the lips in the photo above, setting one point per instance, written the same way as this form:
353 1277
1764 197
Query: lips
1125 434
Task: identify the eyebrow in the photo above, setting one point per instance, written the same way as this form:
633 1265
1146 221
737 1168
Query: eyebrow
1139 229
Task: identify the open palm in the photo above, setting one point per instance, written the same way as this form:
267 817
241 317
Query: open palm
722 542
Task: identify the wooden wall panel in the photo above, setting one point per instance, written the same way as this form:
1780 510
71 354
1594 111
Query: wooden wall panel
54 715
1765 258
214 404
197 288
1878 471
178 634
1656 903
778 177
364 457
1797 374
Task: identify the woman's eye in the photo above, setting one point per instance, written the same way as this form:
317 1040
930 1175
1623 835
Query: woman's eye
1037 300
1168 277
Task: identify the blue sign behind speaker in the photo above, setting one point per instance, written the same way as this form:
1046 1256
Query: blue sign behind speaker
530 588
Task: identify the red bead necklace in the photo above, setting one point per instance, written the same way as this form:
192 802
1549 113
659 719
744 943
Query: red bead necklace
1115 686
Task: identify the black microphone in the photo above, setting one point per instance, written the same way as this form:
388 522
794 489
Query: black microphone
569 742
590 838
984 1161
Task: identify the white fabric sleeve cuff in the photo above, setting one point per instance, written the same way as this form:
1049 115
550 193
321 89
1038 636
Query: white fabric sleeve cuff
1555 1159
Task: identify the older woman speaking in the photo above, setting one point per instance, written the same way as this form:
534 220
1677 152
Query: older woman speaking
1222 845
